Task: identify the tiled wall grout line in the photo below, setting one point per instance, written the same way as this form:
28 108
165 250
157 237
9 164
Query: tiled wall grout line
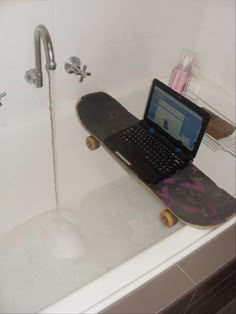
190 301
181 269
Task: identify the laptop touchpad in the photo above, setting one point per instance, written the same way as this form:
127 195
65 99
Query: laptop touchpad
123 158
137 164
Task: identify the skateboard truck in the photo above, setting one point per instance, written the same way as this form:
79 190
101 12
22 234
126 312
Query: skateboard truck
73 65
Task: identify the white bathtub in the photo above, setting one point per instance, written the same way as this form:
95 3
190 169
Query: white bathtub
119 220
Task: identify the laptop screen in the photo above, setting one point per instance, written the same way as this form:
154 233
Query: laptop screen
174 117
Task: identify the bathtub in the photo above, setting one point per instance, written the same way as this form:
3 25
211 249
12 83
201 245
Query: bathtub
126 245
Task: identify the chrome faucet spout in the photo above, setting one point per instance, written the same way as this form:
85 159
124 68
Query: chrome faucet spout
35 76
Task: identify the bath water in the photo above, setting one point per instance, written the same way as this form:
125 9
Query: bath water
47 246
62 250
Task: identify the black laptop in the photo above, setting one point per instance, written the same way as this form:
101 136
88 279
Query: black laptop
166 140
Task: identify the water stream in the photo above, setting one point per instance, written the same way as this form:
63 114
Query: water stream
64 238
53 136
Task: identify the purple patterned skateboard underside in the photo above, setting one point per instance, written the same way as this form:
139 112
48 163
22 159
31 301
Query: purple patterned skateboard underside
195 198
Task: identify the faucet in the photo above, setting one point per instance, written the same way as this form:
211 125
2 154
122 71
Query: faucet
35 76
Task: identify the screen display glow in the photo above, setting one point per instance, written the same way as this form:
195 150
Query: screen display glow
176 119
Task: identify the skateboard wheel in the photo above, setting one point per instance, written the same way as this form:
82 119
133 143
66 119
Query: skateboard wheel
168 219
92 142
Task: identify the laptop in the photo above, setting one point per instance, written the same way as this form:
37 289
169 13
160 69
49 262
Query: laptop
166 140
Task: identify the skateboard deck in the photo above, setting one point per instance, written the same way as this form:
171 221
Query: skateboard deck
190 195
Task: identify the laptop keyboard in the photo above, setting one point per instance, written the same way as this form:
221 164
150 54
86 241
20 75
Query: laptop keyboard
158 155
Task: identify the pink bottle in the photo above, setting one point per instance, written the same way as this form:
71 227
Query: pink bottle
181 74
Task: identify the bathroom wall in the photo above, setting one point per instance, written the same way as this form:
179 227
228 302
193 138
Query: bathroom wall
124 43
25 158
215 45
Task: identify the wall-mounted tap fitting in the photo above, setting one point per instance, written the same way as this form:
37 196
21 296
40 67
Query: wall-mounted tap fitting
73 65
35 76
1 96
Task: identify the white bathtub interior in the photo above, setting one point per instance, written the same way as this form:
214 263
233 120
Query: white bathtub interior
117 218
116 222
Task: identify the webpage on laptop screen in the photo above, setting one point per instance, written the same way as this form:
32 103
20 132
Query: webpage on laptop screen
179 121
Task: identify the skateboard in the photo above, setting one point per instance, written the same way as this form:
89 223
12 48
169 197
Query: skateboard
190 195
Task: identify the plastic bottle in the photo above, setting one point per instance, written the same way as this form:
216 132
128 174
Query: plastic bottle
181 74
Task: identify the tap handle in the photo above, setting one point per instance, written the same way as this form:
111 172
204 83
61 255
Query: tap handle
1 96
84 71
73 65
84 74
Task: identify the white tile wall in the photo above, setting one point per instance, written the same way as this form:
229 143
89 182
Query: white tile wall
25 158
17 22
216 43
123 42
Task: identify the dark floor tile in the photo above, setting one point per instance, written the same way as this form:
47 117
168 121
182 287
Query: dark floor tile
215 299
218 278
155 295
230 308
179 306
211 257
